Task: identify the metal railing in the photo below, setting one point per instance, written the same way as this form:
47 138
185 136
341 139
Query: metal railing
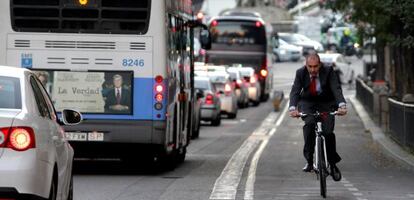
365 95
401 122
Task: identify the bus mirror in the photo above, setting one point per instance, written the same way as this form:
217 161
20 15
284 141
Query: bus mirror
205 39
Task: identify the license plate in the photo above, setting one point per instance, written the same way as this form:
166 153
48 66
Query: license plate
76 136
95 136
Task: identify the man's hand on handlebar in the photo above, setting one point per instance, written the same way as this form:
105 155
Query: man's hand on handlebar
341 111
294 114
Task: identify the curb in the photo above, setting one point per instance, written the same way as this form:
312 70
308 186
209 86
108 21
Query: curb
395 150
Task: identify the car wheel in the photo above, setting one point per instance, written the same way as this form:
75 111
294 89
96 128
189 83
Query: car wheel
256 103
217 121
70 193
53 190
232 115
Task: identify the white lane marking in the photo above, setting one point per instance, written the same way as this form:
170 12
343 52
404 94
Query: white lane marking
227 183
355 191
251 178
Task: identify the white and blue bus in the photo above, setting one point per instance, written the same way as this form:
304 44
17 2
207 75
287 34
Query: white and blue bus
125 64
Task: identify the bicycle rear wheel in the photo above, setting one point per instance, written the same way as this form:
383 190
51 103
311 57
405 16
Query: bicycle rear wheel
322 167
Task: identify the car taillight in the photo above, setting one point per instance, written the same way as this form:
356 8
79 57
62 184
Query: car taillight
227 88
214 23
252 79
18 138
263 72
209 99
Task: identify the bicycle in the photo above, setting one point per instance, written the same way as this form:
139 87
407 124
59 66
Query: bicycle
321 164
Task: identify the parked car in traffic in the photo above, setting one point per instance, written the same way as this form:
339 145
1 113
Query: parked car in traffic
35 158
252 84
341 66
287 52
226 92
210 103
242 91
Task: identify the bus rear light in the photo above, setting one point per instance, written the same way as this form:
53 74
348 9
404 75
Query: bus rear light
158 106
159 88
263 72
209 99
17 138
159 79
214 23
159 97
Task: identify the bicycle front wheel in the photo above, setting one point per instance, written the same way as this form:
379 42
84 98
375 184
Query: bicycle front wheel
322 167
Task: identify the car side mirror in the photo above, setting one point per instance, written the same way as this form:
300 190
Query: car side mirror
71 117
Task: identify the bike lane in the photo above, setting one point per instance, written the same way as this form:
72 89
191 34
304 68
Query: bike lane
368 172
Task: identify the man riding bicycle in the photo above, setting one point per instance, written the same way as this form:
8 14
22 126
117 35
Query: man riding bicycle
316 88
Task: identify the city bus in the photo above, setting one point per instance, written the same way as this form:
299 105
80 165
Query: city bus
243 39
126 65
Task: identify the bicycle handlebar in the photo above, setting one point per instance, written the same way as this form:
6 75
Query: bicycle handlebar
317 114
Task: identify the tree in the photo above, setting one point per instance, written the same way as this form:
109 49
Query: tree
393 25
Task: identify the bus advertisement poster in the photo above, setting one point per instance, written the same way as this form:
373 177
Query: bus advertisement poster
89 92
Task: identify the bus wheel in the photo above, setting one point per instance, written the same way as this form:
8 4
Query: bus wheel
181 155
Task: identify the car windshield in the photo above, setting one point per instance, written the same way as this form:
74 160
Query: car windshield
233 75
289 38
201 84
282 42
218 79
10 97
245 73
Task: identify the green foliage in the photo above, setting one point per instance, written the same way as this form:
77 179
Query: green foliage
392 20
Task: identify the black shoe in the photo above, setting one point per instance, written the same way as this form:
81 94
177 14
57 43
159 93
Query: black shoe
335 173
308 167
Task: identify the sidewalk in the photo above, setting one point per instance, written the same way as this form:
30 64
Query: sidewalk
378 135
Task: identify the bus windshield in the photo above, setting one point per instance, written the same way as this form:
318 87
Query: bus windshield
238 32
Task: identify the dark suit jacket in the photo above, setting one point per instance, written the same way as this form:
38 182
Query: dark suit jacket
111 98
331 89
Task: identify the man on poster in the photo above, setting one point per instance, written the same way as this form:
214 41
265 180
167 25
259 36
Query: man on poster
118 99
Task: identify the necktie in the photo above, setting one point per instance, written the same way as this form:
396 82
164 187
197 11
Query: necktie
118 97
312 86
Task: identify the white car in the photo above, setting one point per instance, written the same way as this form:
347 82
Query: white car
341 66
287 52
35 158
226 92
301 40
252 84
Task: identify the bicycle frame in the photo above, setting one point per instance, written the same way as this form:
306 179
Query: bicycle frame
318 131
